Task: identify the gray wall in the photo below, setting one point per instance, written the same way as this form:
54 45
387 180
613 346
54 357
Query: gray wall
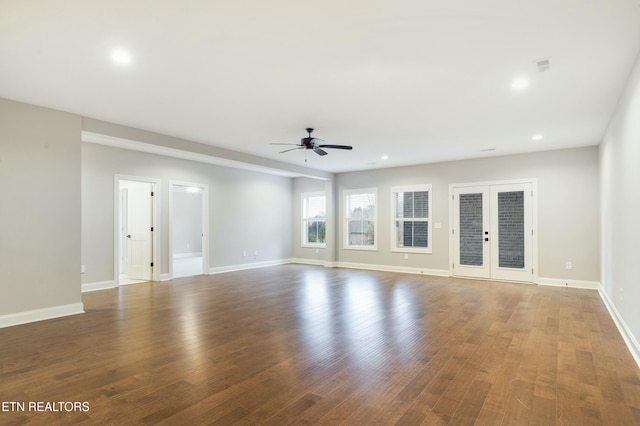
186 222
248 211
568 213
620 181
40 208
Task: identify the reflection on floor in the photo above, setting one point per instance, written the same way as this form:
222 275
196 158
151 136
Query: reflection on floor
187 266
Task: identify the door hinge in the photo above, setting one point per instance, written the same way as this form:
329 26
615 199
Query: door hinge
152 229
453 231
152 264
152 193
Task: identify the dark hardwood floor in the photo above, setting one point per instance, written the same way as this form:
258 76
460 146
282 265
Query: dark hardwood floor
300 345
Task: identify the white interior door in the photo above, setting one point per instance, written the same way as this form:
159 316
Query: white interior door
139 233
123 240
493 232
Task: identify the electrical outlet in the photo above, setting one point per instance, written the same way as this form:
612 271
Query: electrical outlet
568 265
244 253
317 251
406 256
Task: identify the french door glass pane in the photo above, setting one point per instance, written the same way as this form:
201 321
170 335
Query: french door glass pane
471 232
511 229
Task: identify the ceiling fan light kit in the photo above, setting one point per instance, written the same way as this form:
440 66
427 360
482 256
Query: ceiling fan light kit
312 143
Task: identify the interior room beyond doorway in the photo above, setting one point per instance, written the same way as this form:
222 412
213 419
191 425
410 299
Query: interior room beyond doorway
188 237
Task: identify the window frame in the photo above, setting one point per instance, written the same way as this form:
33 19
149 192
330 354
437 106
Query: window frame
304 237
429 219
346 219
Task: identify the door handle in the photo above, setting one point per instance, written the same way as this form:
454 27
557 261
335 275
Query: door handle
486 239
129 236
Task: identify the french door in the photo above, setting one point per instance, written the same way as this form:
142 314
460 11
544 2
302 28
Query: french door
493 231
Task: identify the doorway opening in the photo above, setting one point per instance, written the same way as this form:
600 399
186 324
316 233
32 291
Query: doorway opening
493 230
189 235
135 234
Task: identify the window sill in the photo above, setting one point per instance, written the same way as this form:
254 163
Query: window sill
315 246
362 248
409 250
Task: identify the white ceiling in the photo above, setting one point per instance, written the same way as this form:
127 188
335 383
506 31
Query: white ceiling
419 81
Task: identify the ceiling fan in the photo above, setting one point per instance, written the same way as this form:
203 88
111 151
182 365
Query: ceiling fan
312 143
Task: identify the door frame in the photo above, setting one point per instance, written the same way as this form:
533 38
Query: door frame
155 219
534 219
204 225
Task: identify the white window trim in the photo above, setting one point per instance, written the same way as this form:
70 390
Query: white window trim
345 227
303 234
429 220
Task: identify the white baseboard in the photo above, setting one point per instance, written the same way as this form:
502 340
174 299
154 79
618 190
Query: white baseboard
41 314
373 267
245 266
627 335
559 282
315 262
399 269
102 285
165 277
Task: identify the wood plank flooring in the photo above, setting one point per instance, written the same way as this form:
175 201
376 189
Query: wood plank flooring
298 344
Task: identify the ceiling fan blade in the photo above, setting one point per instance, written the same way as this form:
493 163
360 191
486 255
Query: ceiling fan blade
319 151
290 149
335 146
278 143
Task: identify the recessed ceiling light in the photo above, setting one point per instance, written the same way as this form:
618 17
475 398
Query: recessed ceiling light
536 137
520 83
121 57
487 149
384 157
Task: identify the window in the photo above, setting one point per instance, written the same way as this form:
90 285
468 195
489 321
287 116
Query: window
314 220
360 219
411 219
